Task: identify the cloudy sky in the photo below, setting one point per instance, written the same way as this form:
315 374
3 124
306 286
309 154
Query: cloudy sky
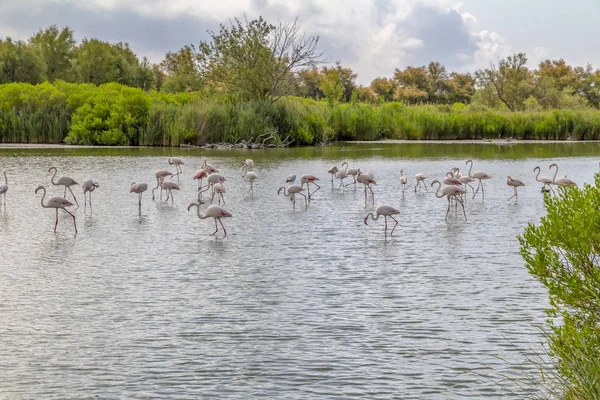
373 37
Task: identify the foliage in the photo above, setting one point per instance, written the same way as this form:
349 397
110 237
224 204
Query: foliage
562 253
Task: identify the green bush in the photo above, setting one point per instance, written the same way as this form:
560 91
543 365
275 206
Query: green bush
562 253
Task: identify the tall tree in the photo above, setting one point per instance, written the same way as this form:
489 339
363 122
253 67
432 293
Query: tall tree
587 84
20 63
182 74
56 48
384 88
95 62
413 84
511 81
307 82
339 76
461 87
255 59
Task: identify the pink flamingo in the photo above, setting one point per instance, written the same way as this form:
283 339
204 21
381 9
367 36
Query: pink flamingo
353 172
247 166
545 180
160 177
403 180
561 181
367 180
218 189
3 190
386 211
64 181
308 179
292 191
290 179
467 180
451 180
250 177
57 203
212 211
341 175
138 188
450 191
88 187
200 175
212 179
515 183
479 175
420 177
169 186
178 162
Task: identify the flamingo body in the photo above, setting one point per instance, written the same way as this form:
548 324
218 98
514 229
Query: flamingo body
385 211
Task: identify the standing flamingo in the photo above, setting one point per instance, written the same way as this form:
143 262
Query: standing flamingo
247 166
292 191
367 180
352 172
341 175
290 179
64 181
200 175
545 180
212 180
467 180
218 189
169 186
479 176
212 211
420 177
138 188
178 162
561 181
160 177
3 190
250 177
57 203
88 187
308 179
515 183
386 211
449 179
450 191
333 171
403 180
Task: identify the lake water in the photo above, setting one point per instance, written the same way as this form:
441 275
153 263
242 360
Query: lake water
305 304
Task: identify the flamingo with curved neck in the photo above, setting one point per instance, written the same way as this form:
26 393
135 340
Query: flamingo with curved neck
64 181
56 203
213 211
451 192
561 181
479 175
291 192
386 211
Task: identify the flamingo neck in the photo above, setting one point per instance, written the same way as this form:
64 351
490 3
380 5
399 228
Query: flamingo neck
555 173
346 164
538 174
43 195
5 179
470 176
373 217
438 190
54 176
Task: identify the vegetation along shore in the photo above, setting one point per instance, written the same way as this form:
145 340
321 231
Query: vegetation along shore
254 84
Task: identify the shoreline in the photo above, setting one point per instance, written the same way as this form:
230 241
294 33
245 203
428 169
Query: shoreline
216 146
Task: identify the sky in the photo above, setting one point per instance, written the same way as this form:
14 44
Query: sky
373 37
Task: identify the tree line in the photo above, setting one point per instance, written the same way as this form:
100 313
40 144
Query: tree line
256 60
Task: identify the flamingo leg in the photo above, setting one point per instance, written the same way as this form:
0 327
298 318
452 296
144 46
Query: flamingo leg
372 195
463 208
223 226
417 186
171 194
395 225
56 222
482 192
448 210
514 195
75 198
84 202
318 187
426 190
216 227
72 215
365 194
140 203
305 201
385 221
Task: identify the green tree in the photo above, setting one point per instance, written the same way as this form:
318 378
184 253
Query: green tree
307 82
461 88
94 62
587 85
20 63
56 48
511 81
257 60
181 71
412 85
343 77
562 253
332 86
384 88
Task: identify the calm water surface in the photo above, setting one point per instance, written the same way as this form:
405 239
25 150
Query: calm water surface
305 304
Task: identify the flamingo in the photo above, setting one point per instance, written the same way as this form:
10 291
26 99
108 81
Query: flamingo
250 177
4 189
367 180
386 211
341 175
178 162
450 191
160 177
247 166
467 180
200 175
308 179
403 180
333 171
545 180
290 179
57 203
64 181
292 191
169 186
212 211
420 177
456 173
138 188
352 172
561 181
218 189
451 180
212 179
88 187
515 183
479 175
